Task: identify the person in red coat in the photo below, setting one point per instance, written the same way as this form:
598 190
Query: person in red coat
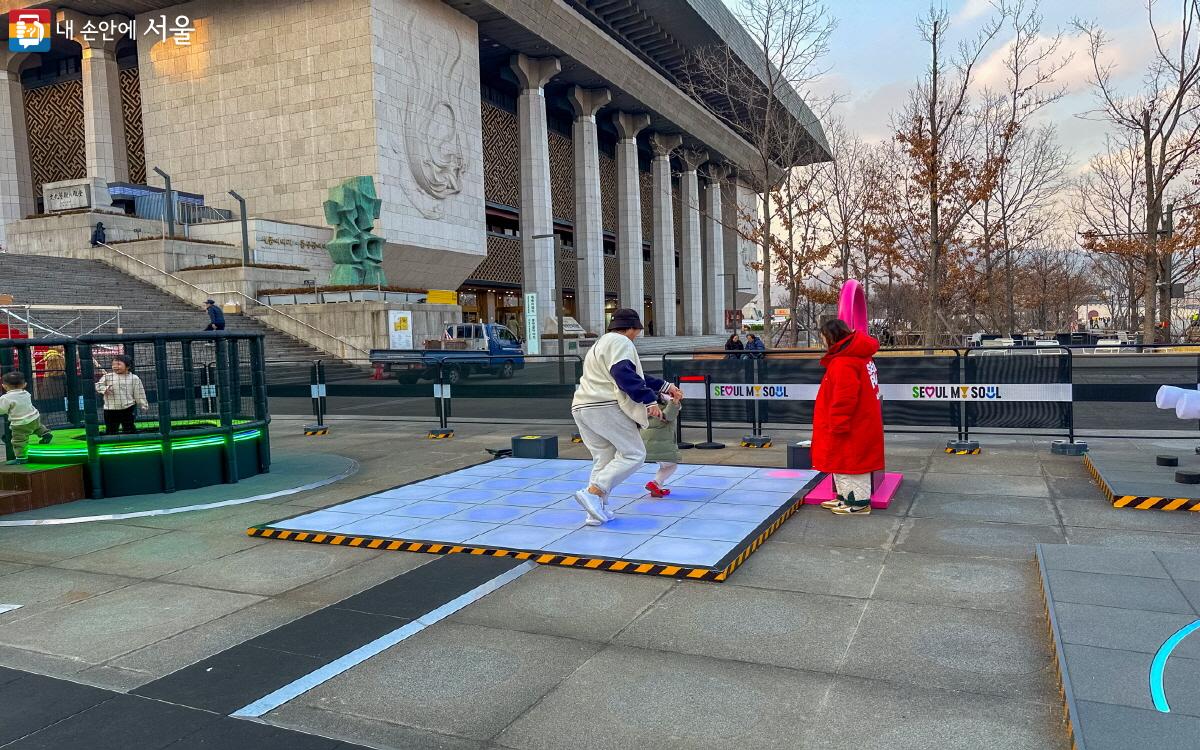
848 421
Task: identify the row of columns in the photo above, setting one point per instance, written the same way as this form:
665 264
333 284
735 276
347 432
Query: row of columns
703 279
105 153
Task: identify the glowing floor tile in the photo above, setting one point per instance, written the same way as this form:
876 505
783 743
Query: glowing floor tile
526 507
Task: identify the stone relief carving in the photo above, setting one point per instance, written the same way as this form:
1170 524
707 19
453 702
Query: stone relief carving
432 128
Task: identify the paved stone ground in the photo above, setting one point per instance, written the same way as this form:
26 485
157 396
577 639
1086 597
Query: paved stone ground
921 626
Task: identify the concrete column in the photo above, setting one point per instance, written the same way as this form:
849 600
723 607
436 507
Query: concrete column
665 323
16 175
537 256
714 251
746 251
629 211
589 218
691 294
103 124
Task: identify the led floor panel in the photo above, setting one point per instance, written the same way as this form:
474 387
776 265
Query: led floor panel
715 517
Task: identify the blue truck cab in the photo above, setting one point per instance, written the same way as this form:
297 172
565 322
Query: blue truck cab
465 349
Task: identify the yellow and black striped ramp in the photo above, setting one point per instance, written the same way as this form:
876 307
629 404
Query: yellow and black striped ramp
974 452
1139 502
718 572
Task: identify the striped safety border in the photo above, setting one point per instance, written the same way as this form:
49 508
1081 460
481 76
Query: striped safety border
1139 502
719 572
1065 694
974 452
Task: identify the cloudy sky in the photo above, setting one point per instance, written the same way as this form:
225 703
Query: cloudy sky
876 54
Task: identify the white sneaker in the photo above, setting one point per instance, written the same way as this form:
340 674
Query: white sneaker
608 512
590 503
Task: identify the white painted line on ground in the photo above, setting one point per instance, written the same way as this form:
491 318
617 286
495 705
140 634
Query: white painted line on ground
350 470
298 687
9 607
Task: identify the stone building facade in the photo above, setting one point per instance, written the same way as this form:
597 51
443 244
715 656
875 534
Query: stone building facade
498 133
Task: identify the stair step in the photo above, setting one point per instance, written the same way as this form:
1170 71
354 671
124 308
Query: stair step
76 282
46 485
14 501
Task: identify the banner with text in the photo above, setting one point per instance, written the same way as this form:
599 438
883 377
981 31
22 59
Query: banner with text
887 391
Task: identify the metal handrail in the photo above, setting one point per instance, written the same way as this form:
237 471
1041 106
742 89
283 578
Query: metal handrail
237 293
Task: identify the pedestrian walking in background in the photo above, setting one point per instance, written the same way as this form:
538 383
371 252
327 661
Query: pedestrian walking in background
848 421
613 401
216 318
24 420
123 392
734 344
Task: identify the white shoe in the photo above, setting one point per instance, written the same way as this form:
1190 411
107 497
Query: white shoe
608 512
590 503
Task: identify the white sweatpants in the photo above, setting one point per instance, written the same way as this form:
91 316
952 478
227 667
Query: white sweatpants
859 484
614 441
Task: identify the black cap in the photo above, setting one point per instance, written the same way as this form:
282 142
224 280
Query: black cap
210 302
625 318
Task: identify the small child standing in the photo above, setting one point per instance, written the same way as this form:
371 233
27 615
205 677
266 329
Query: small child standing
24 420
662 447
122 391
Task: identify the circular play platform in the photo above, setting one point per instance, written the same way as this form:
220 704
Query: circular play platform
135 414
136 465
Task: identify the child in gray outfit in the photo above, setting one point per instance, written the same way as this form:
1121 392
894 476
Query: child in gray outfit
661 447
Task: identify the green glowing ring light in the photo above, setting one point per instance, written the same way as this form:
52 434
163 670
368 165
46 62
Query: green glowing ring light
852 306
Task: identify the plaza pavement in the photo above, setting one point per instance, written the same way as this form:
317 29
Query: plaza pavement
916 627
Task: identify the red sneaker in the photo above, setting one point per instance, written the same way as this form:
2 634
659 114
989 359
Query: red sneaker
655 490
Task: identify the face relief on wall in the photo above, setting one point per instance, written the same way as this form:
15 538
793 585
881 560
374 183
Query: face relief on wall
432 138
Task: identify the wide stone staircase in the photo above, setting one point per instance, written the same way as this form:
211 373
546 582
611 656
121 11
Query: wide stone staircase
44 280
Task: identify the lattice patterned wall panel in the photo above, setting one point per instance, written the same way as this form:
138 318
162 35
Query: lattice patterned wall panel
568 272
608 192
646 187
54 121
131 110
503 261
501 150
562 176
612 275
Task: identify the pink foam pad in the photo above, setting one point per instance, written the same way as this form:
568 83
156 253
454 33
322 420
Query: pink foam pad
880 500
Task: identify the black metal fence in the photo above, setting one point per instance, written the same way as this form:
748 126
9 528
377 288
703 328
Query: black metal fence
1049 391
197 385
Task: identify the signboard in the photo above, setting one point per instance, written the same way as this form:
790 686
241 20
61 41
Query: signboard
571 326
400 335
733 320
533 334
1010 392
782 312
441 297
67 197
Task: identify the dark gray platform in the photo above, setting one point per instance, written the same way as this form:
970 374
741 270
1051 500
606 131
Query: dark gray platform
1113 613
1129 477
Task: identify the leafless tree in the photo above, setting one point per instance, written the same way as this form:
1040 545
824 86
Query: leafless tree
946 178
1032 166
790 38
1165 117
1108 200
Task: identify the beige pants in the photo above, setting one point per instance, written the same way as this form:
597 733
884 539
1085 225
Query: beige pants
858 484
615 443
